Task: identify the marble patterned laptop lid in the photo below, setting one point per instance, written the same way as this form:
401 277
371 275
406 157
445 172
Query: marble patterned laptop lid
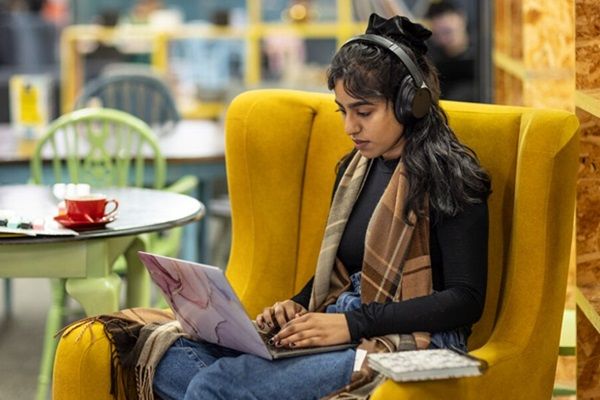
204 303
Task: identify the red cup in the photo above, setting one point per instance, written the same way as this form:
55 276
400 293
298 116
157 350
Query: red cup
90 207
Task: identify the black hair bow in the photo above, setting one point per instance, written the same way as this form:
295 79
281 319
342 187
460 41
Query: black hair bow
400 29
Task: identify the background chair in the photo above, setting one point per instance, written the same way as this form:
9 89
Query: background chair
282 147
104 147
140 94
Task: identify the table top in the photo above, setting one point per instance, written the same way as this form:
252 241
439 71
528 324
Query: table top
190 141
140 211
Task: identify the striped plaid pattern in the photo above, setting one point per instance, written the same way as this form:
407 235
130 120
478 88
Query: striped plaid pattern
343 201
396 264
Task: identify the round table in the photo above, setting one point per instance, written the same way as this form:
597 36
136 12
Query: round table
194 147
140 211
86 260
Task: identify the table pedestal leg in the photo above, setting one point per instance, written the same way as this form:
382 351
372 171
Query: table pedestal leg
96 295
138 279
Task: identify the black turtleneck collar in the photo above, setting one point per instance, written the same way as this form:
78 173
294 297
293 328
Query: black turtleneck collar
386 166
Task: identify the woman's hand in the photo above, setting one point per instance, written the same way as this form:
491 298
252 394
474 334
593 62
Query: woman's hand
314 329
279 314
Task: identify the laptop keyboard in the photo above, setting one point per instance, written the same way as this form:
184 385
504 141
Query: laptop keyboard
266 337
287 351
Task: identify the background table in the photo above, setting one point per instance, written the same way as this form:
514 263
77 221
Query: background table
86 260
194 147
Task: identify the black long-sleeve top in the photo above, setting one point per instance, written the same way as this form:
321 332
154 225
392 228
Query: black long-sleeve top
458 249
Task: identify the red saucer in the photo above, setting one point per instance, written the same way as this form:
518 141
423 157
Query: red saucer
65 221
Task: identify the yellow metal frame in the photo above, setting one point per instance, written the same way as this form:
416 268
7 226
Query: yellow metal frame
76 36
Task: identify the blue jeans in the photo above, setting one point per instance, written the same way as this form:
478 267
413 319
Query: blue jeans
192 370
456 338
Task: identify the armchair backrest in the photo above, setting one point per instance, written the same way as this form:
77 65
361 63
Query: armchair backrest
281 150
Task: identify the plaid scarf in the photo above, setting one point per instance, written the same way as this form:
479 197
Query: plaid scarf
396 263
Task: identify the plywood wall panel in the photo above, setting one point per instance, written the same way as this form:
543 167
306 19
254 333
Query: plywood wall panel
588 201
501 26
549 36
509 89
588 19
549 93
588 63
588 359
515 31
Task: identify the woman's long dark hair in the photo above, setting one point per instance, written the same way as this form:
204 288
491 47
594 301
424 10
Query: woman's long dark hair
437 164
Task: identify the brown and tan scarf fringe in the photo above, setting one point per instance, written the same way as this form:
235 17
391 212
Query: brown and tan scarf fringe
127 330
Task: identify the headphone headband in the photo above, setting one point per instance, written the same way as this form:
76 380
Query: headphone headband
422 100
392 46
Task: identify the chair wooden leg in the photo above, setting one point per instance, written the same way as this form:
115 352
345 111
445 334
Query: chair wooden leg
54 321
7 297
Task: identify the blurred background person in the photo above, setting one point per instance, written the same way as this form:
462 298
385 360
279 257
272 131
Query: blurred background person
452 51
143 9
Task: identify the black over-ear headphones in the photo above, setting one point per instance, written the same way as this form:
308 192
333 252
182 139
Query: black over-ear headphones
422 99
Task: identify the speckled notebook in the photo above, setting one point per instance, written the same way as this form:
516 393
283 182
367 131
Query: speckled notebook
418 365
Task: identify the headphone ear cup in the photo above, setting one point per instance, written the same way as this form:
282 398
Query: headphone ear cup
421 102
404 100
411 102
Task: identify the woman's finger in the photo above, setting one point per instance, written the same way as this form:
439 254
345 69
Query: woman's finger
291 310
260 321
304 338
280 316
314 329
267 318
292 327
304 343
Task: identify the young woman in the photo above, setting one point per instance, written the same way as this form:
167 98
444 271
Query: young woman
403 263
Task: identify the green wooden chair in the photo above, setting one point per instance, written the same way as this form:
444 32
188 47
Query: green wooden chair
143 95
104 147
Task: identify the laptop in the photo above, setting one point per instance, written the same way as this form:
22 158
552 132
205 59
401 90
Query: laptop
207 308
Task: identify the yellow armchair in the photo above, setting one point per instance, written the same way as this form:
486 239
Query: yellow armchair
282 147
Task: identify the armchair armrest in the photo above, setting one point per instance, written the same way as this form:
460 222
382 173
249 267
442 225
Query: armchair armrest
82 367
497 382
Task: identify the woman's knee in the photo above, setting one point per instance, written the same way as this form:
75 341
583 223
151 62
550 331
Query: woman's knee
176 369
208 385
